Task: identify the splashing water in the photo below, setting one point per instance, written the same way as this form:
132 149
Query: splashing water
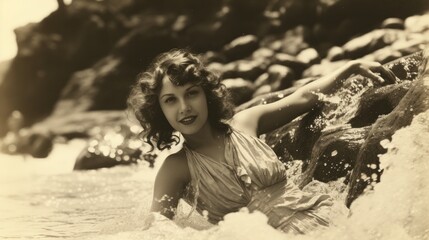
342 106
114 203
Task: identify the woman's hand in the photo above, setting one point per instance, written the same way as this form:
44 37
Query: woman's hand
265 118
372 70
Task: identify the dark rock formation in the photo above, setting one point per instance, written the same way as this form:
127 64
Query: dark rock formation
367 170
49 52
330 142
241 90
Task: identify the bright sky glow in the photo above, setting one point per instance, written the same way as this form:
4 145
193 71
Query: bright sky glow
16 13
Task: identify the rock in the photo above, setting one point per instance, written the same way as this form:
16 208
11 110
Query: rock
261 90
335 53
290 61
290 13
372 41
91 158
417 23
323 68
385 55
113 144
26 141
378 102
246 69
314 137
213 57
263 79
334 154
393 23
398 49
308 56
276 78
241 47
50 51
367 171
407 68
263 53
80 124
415 44
293 40
344 19
241 90
40 145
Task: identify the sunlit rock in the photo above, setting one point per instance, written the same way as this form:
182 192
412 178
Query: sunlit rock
393 23
241 47
372 41
290 61
247 69
335 53
241 90
308 56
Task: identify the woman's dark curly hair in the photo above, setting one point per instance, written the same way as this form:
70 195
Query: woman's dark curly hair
181 67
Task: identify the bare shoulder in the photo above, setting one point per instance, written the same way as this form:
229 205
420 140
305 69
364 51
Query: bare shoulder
175 167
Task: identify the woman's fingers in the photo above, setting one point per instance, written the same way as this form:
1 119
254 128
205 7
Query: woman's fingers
386 74
371 75
376 71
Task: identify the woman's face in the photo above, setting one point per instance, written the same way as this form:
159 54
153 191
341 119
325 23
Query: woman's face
185 107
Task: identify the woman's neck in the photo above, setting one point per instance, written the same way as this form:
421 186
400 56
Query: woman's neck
207 136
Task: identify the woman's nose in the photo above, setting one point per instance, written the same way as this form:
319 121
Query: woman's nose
184 107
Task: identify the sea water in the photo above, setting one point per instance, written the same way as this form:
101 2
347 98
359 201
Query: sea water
45 199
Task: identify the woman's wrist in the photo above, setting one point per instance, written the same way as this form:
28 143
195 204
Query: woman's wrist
346 70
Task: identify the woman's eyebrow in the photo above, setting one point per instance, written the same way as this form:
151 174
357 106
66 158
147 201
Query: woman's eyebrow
166 95
192 86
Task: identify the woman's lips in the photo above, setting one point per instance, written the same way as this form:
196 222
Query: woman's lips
188 120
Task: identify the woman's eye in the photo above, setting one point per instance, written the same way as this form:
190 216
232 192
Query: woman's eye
192 93
169 100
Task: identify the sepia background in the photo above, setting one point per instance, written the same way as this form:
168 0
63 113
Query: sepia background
72 163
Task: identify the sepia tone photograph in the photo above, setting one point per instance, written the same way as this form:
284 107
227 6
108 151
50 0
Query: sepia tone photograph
214 119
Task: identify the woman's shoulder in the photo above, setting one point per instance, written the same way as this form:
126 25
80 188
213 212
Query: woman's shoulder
176 166
245 122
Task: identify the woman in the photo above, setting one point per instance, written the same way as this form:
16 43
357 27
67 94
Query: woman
223 166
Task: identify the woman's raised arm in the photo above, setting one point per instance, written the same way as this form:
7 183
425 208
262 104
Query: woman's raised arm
264 118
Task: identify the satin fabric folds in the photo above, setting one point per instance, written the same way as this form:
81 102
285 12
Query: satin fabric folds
252 177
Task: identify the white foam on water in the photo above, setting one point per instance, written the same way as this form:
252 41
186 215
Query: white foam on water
46 200
396 209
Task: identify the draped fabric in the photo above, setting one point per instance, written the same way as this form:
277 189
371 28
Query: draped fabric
252 177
